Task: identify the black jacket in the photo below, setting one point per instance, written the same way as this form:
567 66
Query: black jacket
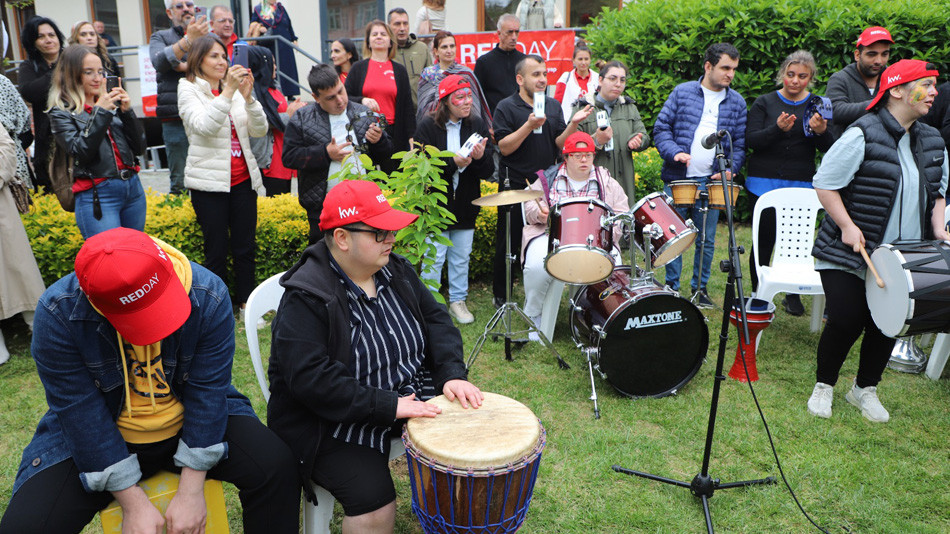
778 154
496 74
305 149
311 384
404 123
83 136
164 60
470 188
33 81
871 196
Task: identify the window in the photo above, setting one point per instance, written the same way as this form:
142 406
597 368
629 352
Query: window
105 10
366 12
335 18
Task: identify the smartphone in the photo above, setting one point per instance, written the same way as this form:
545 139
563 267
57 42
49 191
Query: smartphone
112 82
539 100
201 11
240 55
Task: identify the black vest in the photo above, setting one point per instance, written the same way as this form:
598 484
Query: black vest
167 85
872 195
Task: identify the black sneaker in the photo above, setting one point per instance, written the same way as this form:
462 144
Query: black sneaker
793 305
702 299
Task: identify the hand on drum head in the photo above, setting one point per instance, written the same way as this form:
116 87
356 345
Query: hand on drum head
716 177
407 407
466 393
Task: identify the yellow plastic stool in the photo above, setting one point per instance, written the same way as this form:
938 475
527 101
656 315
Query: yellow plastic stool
160 490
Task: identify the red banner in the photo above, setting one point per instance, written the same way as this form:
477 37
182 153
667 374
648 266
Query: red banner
555 46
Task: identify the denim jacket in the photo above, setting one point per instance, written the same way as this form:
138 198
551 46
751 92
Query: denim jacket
77 358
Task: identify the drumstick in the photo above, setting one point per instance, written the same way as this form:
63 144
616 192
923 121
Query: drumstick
877 277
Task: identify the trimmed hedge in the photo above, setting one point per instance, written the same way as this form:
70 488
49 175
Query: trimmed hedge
281 228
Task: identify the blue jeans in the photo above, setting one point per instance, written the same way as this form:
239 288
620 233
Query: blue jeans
458 256
122 203
700 273
176 150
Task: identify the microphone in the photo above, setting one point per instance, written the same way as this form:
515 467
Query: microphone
710 140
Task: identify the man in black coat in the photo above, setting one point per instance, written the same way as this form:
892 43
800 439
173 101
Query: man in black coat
319 140
496 69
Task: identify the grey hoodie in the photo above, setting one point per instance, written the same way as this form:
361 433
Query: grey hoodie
849 96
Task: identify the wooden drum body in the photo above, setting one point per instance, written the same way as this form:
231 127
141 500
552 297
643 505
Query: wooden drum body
473 470
717 198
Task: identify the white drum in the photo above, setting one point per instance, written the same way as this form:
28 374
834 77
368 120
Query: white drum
915 298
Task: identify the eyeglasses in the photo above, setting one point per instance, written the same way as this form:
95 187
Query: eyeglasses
381 235
224 21
183 5
582 155
612 79
93 73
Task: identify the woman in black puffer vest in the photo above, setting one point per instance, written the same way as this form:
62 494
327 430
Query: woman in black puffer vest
869 183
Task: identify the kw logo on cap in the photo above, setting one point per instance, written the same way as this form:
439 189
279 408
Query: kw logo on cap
348 212
892 79
140 292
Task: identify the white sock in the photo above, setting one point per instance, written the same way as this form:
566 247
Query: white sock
28 318
4 353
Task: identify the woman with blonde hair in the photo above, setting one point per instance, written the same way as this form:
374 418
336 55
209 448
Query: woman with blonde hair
84 33
382 85
220 114
431 17
101 133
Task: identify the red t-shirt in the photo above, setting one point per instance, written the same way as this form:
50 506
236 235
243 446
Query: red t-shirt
239 169
380 85
277 169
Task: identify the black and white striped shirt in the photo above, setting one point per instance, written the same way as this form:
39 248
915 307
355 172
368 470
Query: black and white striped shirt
388 350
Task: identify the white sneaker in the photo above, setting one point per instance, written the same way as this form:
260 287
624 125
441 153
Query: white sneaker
4 353
533 335
820 402
866 399
460 312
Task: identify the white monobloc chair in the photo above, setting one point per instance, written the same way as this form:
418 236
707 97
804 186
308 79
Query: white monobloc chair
941 348
792 267
266 298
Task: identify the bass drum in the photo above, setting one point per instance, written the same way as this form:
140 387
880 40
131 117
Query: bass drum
650 341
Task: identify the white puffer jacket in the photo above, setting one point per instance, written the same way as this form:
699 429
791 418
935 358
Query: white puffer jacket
205 116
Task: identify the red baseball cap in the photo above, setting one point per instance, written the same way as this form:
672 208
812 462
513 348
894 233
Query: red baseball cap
452 83
127 276
872 35
353 201
905 70
570 144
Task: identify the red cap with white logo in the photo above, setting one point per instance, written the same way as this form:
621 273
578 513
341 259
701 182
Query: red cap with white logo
905 70
354 201
873 35
132 282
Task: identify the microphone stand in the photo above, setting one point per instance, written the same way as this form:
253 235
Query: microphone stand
703 485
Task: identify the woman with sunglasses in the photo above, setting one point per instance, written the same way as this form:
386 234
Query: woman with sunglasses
448 128
100 131
220 113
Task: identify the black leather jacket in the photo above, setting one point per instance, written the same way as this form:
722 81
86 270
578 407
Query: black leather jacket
83 136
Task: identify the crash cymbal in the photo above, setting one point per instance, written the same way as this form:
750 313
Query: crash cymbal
505 198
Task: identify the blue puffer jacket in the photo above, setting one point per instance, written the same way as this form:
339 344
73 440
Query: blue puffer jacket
679 118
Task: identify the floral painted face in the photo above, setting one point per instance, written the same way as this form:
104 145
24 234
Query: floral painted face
461 96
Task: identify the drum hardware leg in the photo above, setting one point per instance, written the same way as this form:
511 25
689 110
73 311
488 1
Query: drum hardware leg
906 357
505 312
703 485
591 353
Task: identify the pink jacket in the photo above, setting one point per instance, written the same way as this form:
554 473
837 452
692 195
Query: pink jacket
537 226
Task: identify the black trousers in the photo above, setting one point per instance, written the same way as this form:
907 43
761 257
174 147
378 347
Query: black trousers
764 242
848 317
258 463
276 186
229 223
498 262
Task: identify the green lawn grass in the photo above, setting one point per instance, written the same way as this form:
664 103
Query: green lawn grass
850 474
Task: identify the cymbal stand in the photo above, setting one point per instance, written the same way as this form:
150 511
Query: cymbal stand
704 208
703 485
510 309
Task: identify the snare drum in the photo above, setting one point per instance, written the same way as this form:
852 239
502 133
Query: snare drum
717 200
473 470
673 235
684 192
915 298
649 340
579 242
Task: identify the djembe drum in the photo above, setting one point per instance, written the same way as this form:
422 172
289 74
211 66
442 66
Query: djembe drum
473 470
759 314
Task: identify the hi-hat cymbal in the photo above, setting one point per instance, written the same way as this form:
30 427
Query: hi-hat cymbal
505 198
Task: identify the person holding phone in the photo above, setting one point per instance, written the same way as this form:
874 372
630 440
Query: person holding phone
100 131
221 114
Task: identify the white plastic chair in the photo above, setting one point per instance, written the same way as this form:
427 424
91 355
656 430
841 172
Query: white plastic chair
265 298
941 348
792 267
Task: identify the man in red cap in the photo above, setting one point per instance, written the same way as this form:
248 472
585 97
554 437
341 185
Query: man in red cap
357 340
883 181
577 177
134 351
851 87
